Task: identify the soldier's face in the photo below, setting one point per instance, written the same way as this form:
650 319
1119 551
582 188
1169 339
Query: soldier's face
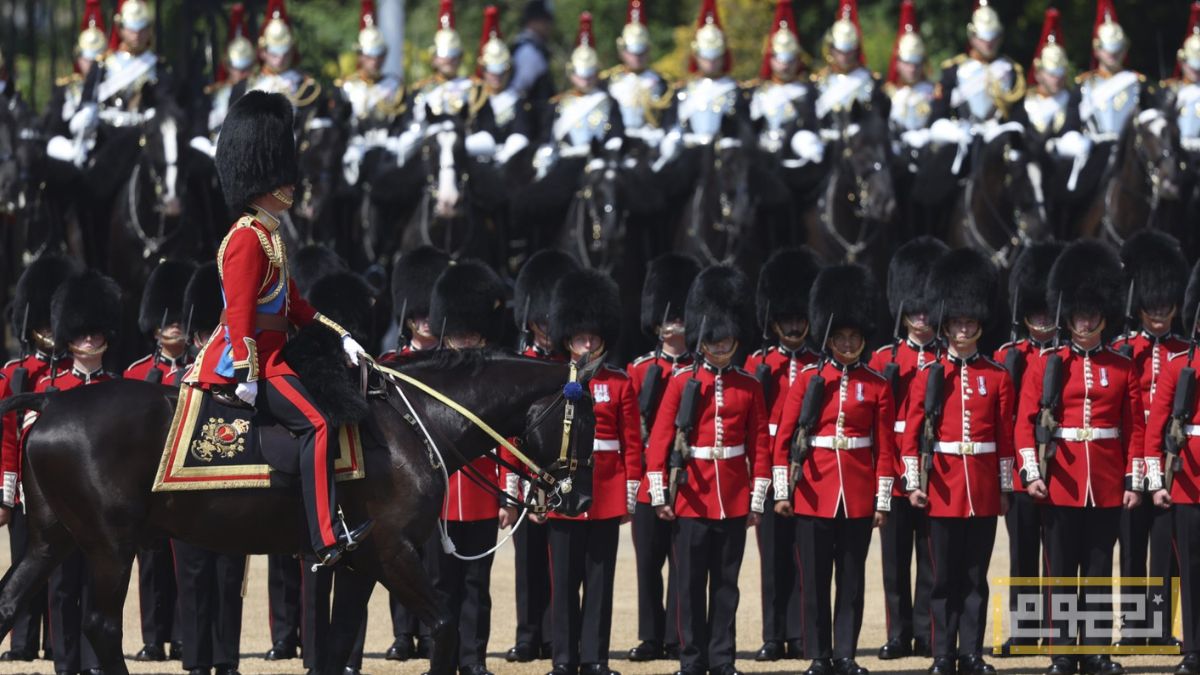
583 83
136 40
84 65
1085 327
909 72
1189 73
465 341
784 69
963 333
670 329
791 332
918 327
985 48
1051 83
582 344
43 339
634 62
171 334
496 82
447 66
370 65
89 344
420 326
847 344
276 62
719 353
1157 321
1040 326
844 60
1110 61
709 67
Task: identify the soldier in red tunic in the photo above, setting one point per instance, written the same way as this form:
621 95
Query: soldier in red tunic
843 470
256 163
531 310
1097 442
1177 431
710 440
958 456
664 294
907 529
782 309
31 322
585 319
1155 274
1033 319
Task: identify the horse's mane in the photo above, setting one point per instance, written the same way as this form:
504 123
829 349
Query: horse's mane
471 360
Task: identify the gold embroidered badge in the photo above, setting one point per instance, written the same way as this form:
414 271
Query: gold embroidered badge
220 439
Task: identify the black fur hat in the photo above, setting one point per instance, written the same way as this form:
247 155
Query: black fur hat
585 301
468 297
961 284
413 276
312 262
1027 280
347 299
718 299
1154 263
535 285
34 290
783 285
86 303
665 290
849 295
1087 276
163 295
256 153
1191 298
202 302
907 272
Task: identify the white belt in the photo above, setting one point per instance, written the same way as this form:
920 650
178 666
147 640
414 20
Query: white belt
965 447
841 443
1192 429
1086 433
727 452
605 445
900 426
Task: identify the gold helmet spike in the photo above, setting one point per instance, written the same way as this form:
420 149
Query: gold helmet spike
240 53
709 42
91 42
843 34
134 15
585 62
784 45
1052 60
370 38
985 23
634 38
446 42
911 48
1110 37
276 36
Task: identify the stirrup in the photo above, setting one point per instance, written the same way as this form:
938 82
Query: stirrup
328 558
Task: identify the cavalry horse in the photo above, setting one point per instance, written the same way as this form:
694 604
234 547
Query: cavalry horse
92 456
1001 208
850 221
316 215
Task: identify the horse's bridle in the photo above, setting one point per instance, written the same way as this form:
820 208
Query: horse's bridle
1150 169
859 198
730 210
1005 255
590 223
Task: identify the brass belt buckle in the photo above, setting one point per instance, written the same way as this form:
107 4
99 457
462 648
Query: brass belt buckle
1083 434
966 448
841 443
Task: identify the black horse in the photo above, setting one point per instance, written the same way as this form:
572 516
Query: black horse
318 213
717 223
91 458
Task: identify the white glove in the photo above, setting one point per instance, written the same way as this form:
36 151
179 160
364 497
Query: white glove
203 144
808 146
403 145
1072 144
512 145
352 349
247 391
916 138
84 119
949 132
614 144
61 148
351 160
480 144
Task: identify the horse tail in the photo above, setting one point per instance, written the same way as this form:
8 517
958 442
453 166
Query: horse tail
35 402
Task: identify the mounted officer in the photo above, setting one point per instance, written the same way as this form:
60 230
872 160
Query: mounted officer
640 91
845 80
911 95
501 121
278 56
232 80
446 91
256 163
376 101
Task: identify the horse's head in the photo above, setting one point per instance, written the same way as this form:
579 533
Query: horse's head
599 209
444 152
1156 146
558 434
319 156
162 147
1012 172
864 148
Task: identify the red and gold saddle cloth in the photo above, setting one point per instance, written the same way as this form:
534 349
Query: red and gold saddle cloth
214 446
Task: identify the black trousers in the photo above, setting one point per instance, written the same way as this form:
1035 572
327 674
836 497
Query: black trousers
531 547
283 595
210 601
777 564
908 613
652 548
708 558
466 587
1079 542
1147 528
1024 524
157 592
70 601
27 630
832 550
961 550
1186 518
286 400
317 589
583 566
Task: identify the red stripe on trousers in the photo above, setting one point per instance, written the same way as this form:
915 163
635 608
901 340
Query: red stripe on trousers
320 455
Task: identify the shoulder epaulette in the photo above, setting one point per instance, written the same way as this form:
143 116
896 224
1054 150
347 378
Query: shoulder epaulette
811 366
687 372
884 348
954 61
1009 345
1109 349
990 361
1175 355
616 370
141 360
1050 350
609 72
874 372
12 362
643 358
68 79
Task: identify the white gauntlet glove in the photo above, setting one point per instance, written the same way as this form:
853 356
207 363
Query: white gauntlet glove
352 349
247 391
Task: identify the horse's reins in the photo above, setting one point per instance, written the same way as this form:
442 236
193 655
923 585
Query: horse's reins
729 212
862 193
1152 201
1006 254
587 213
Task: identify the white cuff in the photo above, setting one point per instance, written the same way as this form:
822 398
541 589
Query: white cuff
512 483
10 489
758 497
1029 464
883 498
658 496
631 491
1154 474
912 473
779 475
1139 473
1006 474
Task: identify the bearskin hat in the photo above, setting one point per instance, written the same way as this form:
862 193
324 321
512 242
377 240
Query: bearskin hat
312 262
163 295
842 296
1155 265
346 298
202 303
256 153
413 276
665 290
89 302
585 301
1087 276
1027 280
718 301
783 285
962 283
1191 298
34 290
468 297
535 285
907 272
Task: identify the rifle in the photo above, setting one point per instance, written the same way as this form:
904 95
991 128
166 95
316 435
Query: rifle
810 412
685 422
933 405
1126 349
1043 431
763 372
652 382
891 371
154 375
1181 412
20 376
1014 363
187 333
524 340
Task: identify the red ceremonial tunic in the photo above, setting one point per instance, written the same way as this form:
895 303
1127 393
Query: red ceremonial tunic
37 365
616 448
729 446
974 454
170 368
468 501
785 367
62 380
909 357
1030 351
850 466
1185 486
1102 428
1149 356
668 366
